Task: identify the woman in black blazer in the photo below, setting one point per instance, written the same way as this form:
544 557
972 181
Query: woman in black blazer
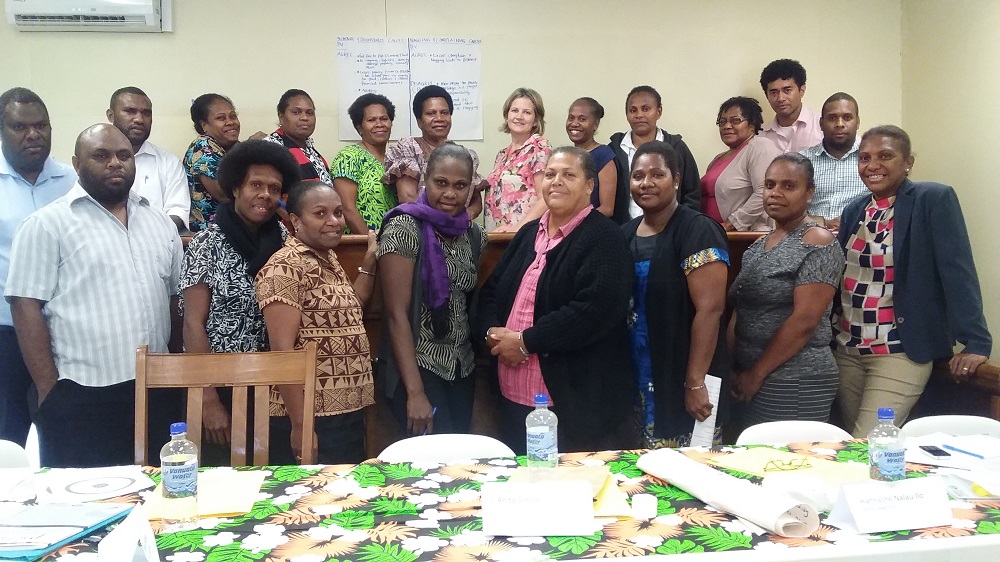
554 314
910 288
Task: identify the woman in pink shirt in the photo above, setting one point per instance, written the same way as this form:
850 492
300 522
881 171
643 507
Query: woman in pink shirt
731 187
554 314
512 197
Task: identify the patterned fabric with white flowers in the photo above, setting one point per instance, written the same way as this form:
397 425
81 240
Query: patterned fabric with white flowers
379 512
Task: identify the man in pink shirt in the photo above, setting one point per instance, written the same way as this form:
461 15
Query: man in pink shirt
795 127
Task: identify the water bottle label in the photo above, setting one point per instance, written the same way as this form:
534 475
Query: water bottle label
888 464
542 444
180 480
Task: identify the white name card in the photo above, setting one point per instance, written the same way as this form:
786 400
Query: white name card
875 507
132 539
532 509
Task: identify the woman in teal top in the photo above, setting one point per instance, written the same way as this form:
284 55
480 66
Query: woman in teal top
358 169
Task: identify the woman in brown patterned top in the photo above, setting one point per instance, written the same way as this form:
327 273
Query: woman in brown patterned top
305 296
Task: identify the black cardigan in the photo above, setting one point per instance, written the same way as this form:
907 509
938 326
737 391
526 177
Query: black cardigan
670 313
580 331
689 190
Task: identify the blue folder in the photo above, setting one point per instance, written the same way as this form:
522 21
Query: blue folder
72 521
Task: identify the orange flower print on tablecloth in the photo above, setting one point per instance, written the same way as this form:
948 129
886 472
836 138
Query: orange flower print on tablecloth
578 459
296 516
390 532
701 517
472 553
326 475
318 541
797 541
631 528
319 499
397 490
618 548
466 471
944 532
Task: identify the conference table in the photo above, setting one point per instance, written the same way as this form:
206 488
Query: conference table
382 512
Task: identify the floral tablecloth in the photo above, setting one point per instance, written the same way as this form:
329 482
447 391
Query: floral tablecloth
380 512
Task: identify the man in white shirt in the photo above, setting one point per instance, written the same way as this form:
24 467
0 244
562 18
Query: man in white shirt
159 175
795 127
835 161
93 275
29 180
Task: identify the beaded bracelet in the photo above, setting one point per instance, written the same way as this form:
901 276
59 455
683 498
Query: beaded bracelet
361 270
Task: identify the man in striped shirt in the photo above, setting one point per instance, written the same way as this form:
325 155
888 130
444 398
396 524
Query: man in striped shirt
93 275
835 160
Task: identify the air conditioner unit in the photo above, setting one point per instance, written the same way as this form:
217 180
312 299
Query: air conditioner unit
90 15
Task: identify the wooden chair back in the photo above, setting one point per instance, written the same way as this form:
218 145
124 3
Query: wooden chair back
197 371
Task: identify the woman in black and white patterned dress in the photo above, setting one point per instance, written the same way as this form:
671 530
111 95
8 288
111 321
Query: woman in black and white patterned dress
218 300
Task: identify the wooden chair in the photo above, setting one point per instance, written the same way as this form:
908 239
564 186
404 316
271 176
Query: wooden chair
197 371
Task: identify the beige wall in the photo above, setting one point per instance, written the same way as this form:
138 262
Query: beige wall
923 63
695 53
950 88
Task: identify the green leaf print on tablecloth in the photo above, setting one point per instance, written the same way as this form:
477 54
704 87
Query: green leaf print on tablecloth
576 545
352 520
717 538
402 471
385 553
669 493
234 553
390 507
184 540
674 546
447 531
368 475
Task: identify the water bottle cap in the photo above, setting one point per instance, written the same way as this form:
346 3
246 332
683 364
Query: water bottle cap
541 399
886 413
177 428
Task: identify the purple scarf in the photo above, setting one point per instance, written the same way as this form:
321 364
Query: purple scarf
434 270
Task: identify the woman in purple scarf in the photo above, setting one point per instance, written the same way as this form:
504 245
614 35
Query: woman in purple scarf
428 256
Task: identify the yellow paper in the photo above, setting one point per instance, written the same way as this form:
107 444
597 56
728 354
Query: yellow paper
753 461
220 493
596 476
611 501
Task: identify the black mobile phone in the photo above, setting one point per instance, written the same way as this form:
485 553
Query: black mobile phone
933 451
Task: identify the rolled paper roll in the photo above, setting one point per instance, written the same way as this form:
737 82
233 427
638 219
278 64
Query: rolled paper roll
777 512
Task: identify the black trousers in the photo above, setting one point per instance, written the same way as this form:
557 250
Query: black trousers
86 426
15 420
341 439
452 400
512 432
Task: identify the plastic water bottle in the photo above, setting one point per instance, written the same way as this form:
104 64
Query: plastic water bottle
543 448
179 475
886 453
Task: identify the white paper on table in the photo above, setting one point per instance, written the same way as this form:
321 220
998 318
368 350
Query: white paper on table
774 511
80 485
531 509
875 506
120 544
15 484
704 431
